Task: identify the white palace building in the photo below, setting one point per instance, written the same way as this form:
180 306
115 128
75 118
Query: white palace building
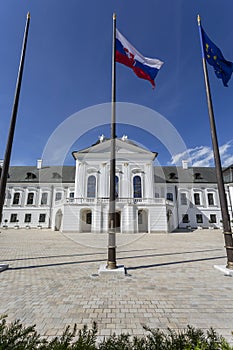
149 198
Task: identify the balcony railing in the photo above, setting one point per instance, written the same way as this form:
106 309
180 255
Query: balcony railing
119 200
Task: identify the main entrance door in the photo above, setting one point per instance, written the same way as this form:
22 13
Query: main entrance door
142 221
86 220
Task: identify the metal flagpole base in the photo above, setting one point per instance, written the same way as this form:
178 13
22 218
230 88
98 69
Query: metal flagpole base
229 265
111 265
224 269
119 270
3 267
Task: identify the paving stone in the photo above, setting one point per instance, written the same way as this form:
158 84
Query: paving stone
52 281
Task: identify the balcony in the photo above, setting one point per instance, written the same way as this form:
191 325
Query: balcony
119 200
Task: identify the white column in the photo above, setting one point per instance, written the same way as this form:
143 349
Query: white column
80 180
77 179
102 180
126 184
129 219
148 182
105 218
96 219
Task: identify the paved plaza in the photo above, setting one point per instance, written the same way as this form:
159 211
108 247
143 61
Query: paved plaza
53 281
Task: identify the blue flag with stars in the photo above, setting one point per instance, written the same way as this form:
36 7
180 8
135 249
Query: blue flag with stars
223 68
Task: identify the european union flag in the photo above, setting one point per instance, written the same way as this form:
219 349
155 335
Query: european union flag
223 68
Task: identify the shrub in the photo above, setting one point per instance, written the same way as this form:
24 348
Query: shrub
14 336
17 337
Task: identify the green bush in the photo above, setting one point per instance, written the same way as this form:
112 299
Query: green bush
15 336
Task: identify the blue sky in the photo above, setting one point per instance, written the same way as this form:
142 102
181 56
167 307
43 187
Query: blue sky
68 69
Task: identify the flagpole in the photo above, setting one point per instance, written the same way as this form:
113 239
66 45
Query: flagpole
221 189
111 263
6 163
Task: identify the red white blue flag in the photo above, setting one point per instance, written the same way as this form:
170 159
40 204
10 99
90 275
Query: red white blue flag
143 67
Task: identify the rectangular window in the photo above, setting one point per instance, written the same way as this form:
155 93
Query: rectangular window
42 217
199 219
170 197
44 198
197 200
13 218
16 198
185 219
30 198
28 218
210 198
58 196
183 199
71 197
213 218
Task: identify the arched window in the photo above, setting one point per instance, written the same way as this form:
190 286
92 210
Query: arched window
30 176
173 176
137 187
56 176
197 176
116 186
91 186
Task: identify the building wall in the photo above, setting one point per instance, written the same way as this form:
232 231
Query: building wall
36 208
163 205
165 216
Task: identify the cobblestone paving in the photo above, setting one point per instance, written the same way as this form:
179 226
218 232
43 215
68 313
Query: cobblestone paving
53 281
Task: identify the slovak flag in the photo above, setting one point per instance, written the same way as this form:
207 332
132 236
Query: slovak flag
143 67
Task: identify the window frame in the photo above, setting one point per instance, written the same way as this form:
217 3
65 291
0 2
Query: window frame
170 196
42 201
91 186
199 218
185 218
137 187
58 194
211 219
28 218
14 201
15 217
197 198
30 201
183 195
40 218
212 199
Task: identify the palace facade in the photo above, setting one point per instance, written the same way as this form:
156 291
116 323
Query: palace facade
149 198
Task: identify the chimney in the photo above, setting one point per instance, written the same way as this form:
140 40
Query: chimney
185 164
39 163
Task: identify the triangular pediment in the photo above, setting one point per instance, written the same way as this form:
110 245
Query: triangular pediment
103 149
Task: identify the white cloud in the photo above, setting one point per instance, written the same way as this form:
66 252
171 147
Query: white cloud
202 156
